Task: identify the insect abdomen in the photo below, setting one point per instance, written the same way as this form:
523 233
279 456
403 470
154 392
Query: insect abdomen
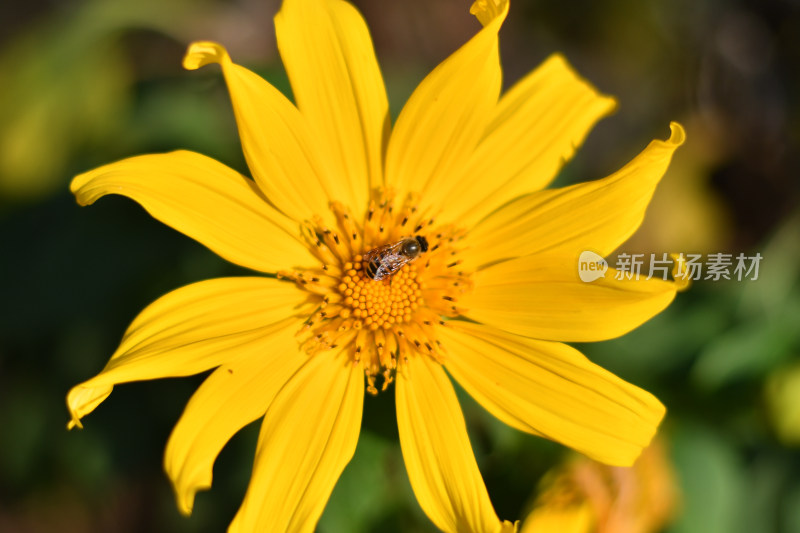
372 268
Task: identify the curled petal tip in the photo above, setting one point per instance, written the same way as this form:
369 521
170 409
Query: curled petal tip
186 488
186 503
509 527
78 187
202 53
75 417
677 135
76 183
679 272
488 10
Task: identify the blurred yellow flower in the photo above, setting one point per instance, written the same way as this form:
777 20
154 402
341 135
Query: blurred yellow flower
783 402
587 497
494 286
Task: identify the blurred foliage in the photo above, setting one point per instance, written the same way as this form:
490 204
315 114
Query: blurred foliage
71 83
763 330
86 82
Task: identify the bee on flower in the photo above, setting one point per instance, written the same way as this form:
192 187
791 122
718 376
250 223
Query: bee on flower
395 255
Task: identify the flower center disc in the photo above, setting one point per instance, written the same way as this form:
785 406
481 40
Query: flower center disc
379 324
381 304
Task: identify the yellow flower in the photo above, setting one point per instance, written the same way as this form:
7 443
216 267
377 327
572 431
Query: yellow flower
584 496
497 287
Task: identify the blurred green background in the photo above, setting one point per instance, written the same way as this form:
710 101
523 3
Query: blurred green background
86 82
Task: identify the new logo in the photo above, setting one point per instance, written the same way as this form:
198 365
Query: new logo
591 266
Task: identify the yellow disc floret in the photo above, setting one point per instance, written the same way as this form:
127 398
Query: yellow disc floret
383 303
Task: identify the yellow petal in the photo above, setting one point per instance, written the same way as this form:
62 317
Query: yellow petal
280 150
205 200
234 395
437 452
327 50
536 127
541 296
190 330
598 215
550 389
575 517
308 436
447 114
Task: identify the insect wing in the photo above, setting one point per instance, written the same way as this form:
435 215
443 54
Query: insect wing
376 254
390 264
389 259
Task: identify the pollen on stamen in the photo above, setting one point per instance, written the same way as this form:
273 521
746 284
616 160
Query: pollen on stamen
381 322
